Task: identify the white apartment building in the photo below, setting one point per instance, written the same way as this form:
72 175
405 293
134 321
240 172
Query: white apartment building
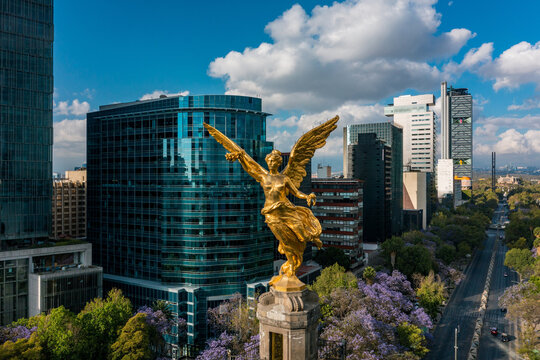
415 115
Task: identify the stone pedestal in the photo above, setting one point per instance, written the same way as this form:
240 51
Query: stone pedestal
288 324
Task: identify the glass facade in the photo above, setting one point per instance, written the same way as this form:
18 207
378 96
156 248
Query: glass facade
392 136
26 133
165 206
13 290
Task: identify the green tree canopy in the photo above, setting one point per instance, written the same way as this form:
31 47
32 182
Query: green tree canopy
334 277
134 340
411 337
414 259
446 253
431 294
520 260
100 322
369 274
57 334
22 349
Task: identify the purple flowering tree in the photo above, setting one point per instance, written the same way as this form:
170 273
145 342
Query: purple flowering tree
235 328
14 333
368 317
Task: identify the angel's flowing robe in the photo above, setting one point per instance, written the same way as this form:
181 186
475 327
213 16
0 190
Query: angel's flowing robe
293 226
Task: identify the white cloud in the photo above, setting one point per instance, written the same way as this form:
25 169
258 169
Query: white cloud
69 148
157 93
518 65
510 142
531 103
524 123
284 139
76 108
341 53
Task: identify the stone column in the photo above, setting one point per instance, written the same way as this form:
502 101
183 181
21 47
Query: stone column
288 323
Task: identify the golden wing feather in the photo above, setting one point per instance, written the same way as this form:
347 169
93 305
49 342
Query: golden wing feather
304 149
222 139
253 167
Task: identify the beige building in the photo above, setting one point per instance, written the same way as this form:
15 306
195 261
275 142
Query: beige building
415 193
69 205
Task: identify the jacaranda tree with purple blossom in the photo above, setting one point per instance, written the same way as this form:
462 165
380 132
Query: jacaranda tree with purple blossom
368 318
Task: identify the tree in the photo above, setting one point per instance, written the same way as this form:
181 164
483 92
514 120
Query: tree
57 334
412 338
392 247
464 249
22 349
446 253
161 305
333 277
332 255
100 322
520 260
234 318
134 340
431 294
520 243
414 259
369 274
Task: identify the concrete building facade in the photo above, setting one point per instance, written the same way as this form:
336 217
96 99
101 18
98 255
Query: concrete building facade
69 206
340 209
416 194
416 116
36 280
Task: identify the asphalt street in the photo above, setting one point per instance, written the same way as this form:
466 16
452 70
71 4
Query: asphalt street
492 347
462 309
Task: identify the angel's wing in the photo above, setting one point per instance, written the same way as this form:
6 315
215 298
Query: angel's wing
304 149
250 165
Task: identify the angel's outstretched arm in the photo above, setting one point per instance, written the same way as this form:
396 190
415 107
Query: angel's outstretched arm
294 190
249 165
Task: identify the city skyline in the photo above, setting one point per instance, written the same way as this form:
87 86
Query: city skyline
306 61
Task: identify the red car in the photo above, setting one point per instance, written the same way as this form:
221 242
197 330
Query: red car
494 331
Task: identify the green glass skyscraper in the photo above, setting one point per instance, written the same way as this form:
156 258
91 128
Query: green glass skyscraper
169 217
26 132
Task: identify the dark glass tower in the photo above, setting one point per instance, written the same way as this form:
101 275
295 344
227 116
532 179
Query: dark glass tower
392 135
26 89
169 217
370 159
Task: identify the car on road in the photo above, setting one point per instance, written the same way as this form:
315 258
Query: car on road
494 331
503 310
505 274
504 337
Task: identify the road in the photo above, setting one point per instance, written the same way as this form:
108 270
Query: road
462 309
491 347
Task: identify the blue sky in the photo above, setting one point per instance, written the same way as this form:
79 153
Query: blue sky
308 60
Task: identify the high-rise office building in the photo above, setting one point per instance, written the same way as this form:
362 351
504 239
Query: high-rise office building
339 209
415 115
169 217
460 115
392 135
26 132
69 205
456 141
370 159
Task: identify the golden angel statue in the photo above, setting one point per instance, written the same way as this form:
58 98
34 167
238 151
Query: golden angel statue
292 225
